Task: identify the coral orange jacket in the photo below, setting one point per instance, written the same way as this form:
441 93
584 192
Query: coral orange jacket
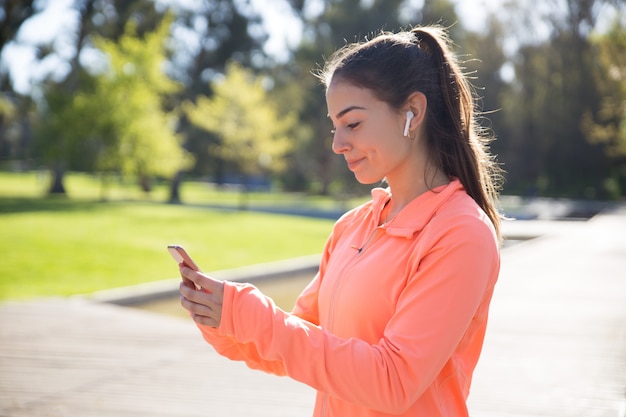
394 321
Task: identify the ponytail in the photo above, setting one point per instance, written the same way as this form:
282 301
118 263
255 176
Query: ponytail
456 140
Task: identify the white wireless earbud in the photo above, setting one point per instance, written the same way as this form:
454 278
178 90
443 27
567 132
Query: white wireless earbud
409 116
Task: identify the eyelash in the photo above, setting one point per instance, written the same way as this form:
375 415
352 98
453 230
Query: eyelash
351 126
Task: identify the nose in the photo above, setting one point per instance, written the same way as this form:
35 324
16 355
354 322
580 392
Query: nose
340 145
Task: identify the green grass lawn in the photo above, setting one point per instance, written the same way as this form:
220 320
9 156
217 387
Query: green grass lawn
76 245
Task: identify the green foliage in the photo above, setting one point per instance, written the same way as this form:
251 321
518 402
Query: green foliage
9 127
56 144
115 121
142 138
7 111
608 127
225 31
542 141
253 135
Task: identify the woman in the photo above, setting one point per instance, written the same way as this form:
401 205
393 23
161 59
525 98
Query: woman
393 323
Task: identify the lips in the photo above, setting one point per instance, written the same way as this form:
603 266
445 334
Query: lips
353 163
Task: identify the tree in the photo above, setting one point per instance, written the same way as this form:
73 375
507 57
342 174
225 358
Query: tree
59 141
115 121
213 32
607 126
547 149
253 136
141 136
56 142
8 118
14 13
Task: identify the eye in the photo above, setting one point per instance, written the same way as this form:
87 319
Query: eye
350 126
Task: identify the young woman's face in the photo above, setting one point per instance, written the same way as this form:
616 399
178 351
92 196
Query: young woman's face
368 133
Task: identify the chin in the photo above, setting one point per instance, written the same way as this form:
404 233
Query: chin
367 180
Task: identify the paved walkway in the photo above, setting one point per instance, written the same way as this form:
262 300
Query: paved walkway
556 345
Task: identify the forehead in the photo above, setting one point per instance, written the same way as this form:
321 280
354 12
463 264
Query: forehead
341 95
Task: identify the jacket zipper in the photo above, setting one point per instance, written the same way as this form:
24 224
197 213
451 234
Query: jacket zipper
335 291
340 279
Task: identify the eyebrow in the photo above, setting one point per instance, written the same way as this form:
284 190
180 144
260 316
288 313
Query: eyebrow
346 110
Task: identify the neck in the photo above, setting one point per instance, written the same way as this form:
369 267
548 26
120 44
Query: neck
404 192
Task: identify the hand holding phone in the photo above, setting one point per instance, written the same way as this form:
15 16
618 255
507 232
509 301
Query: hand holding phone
204 310
180 255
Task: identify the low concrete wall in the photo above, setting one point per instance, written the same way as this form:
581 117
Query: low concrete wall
151 291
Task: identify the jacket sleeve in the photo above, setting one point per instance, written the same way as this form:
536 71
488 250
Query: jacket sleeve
306 308
435 311
230 348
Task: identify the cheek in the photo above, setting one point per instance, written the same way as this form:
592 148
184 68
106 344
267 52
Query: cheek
391 148
386 130
392 155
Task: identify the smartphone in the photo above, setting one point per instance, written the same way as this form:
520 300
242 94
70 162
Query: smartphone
180 255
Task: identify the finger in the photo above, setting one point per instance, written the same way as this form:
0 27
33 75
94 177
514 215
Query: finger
205 308
197 302
196 309
194 295
206 321
189 283
204 281
186 280
201 314
201 297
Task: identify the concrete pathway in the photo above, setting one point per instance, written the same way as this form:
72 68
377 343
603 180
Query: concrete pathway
556 345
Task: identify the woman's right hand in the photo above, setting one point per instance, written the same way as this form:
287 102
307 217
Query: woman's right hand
205 303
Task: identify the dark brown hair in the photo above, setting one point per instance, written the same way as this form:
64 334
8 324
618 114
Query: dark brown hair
395 65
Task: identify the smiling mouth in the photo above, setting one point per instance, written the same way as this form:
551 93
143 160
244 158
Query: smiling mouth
352 164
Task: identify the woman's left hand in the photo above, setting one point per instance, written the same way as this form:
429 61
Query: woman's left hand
205 304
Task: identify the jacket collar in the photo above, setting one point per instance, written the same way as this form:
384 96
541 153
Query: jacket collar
415 215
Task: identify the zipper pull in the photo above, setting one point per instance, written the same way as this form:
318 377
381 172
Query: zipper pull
353 246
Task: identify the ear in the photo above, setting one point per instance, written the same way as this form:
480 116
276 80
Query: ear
417 103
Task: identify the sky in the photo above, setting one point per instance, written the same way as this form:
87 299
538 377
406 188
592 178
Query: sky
57 22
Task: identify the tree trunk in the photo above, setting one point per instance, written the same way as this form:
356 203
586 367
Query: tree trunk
175 188
244 194
56 184
104 186
145 184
